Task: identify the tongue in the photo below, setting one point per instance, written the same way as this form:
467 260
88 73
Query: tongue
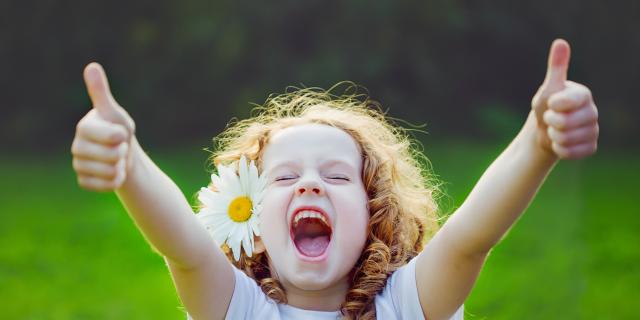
313 246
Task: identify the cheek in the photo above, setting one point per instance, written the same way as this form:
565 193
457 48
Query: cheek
273 225
354 217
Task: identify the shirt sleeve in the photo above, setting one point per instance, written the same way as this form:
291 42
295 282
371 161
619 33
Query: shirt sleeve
248 299
400 295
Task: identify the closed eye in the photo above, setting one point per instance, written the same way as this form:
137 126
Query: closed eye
339 178
284 178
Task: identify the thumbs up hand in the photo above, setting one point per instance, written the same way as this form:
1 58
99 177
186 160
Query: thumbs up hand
567 117
100 148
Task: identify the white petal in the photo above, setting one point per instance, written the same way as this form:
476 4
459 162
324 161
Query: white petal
235 248
213 199
254 179
253 247
214 209
254 192
263 180
260 189
253 171
244 175
205 192
246 241
255 226
237 232
221 232
235 240
257 197
217 182
231 181
212 219
256 209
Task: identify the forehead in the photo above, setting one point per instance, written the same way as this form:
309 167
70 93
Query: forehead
311 143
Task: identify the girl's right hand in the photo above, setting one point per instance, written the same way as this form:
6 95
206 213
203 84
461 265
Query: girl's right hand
101 146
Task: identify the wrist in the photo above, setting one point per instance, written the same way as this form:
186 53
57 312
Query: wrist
530 141
134 164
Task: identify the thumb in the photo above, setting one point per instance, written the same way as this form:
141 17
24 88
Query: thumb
558 66
98 88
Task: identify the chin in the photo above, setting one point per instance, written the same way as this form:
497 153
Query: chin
312 281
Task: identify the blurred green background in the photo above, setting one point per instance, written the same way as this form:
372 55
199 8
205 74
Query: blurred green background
466 69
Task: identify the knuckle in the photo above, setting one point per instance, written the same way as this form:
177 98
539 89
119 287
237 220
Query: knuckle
594 113
83 182
117 133
115 154
589 114
562 152
81 126
75 163
130 126
556 148
553 135
561 138
587 92
110 155
111 172
76 147
551 132
560 98
549 117
536 101
112 184
84 126
106 185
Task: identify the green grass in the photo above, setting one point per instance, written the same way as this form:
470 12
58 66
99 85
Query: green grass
66 253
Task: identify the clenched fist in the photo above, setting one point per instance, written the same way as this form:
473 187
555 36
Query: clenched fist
100 149
566 115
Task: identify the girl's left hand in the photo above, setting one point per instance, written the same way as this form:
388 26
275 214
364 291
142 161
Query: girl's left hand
567 117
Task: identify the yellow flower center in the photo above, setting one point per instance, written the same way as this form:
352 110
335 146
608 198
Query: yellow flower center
240 209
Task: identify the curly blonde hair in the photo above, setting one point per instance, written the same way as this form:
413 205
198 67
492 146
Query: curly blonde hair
401 189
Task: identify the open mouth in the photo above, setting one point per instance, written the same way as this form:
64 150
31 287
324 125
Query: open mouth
311 232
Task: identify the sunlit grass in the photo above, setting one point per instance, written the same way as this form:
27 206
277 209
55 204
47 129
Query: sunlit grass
66 253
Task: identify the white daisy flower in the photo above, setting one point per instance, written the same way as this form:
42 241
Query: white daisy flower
232 213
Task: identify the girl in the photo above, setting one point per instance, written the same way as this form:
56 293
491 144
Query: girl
347 221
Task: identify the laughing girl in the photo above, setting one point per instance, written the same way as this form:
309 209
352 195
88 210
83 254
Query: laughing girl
319 207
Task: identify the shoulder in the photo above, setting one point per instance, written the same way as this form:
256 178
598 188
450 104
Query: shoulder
248 299
399 298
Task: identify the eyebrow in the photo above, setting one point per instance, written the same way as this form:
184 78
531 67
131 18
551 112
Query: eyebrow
284 164
333 162
324 163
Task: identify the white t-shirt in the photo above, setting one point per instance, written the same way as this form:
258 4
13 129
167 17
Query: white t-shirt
398 300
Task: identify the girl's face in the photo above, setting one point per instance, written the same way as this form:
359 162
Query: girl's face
313 170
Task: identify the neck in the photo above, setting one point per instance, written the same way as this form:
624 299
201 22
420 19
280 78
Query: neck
327 299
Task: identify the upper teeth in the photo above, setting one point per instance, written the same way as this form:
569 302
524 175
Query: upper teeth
308 214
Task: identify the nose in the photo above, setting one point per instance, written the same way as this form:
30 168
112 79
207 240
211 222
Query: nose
309 185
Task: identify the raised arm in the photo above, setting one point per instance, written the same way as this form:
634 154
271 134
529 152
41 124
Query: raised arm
108 157
562 125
